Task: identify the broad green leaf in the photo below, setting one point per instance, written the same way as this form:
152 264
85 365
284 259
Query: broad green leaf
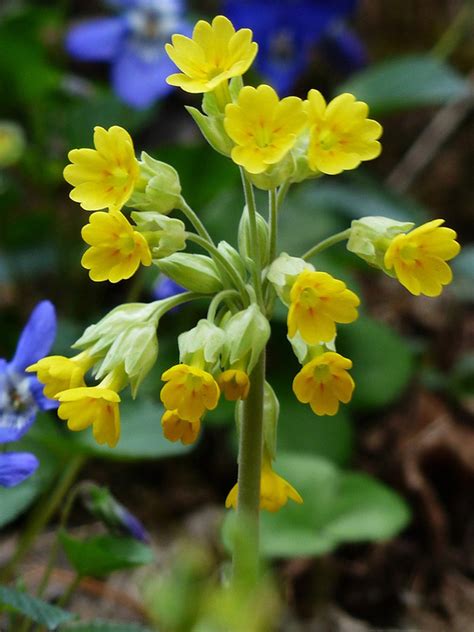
406 82
102 625
35 609
103 554
141 434
383 362
339 507
15 500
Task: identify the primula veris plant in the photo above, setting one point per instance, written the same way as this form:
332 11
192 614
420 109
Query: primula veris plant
276 143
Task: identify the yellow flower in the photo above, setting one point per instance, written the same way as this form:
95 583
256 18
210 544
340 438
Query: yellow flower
103 177
341 135
175 428
234 384
189 391
318 301
324 382
263 127
419 257
94 406
116 249
58 373
274 490
215 53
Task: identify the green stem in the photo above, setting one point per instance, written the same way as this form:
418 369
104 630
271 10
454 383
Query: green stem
222 262
70 590
217 300
273 205
246 544
195 221
327 243
455 32
252 209
71 498
282 191
45 509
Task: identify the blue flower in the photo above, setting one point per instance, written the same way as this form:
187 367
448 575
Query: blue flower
21 395
133 42
166 287
287 31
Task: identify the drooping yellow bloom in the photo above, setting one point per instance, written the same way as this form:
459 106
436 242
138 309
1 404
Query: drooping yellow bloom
116 250
341 135
318 302
419 257
103 177
274 490
189 391
234 384
216 53
59 373
324 382
94 406
263 127
177 429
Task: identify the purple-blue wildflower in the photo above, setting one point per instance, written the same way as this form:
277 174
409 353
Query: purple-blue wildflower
21 395
133 43
287 32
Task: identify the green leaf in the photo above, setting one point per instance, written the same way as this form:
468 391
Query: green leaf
35 609
339 507
103 554
406 82
141 435
383 362
15 500
101 625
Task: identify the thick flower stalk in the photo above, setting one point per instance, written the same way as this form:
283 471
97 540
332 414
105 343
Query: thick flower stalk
276 143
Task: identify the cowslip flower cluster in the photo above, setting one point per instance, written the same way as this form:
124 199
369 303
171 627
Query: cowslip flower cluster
276 143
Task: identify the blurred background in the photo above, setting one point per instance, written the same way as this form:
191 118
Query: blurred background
386 536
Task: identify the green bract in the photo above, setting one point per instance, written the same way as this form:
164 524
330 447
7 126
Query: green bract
158 188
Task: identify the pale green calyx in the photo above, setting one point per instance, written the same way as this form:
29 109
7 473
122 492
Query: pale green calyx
271 412
232 257
247 334
197 273
370 237
136 350
98 338
211 124
158 188
202 345
244 237
283 272
164 235
305 352
275 175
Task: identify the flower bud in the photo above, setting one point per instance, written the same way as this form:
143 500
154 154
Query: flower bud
244 240
212 128
12 143
247 334
158 187
283 272
233 257
98 338
271 412
202 345
164 235
370 237
101 504
136 350
197 273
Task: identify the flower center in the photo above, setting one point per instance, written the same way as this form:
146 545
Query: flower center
409 252
126 244
327 139
321 373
